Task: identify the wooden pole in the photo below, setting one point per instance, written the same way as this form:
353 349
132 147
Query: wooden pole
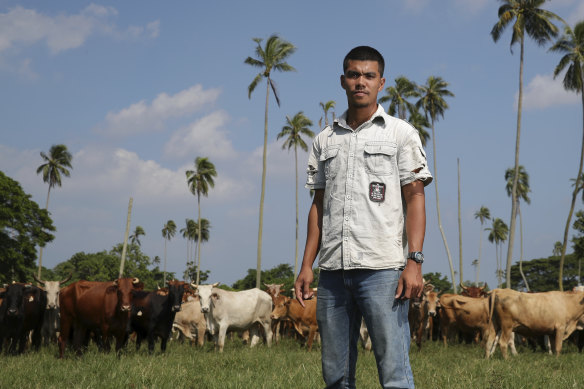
126 239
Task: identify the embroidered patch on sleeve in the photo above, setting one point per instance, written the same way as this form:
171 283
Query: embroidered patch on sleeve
377 192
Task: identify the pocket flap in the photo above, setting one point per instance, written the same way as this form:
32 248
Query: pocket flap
380 148
329 152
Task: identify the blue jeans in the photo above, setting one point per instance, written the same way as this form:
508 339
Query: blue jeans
344 296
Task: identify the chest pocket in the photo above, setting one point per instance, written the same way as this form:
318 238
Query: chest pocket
380 157
330 158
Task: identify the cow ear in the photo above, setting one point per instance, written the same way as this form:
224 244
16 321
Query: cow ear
215 296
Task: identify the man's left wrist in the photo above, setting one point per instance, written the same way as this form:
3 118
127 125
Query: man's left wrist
416 256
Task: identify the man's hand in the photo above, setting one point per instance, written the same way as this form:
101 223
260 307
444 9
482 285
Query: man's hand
302 285
410 282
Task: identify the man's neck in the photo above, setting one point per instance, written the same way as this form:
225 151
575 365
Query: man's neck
359 115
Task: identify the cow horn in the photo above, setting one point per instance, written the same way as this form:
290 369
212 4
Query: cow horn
216 284
463 287
66 278
135 280
195 286
116 282
38 280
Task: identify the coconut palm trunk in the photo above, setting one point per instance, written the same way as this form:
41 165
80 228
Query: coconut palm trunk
453 277
199 239
521 254
573 203
262 195
297 219
516 175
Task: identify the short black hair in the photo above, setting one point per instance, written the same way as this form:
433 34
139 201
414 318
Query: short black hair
364 53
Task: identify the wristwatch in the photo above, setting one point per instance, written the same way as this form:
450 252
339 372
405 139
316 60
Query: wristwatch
416 256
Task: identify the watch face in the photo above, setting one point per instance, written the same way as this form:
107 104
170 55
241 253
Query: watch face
417 256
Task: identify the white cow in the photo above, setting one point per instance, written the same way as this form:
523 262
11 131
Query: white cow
225 310
190 318
51 320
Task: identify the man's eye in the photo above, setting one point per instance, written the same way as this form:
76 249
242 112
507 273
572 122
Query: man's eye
353 75
370 76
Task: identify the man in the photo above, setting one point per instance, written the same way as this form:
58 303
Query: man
367 169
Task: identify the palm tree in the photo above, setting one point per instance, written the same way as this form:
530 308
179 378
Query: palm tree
420 122
482 214
168 232
205 227
189 233
522 194
498 235
528 17
199 181
571 45
557 251
326 107
56 163
432 102
135 237
293 131
476 263
270 57
397 96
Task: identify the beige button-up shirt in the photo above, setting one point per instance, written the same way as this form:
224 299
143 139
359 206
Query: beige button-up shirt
362 172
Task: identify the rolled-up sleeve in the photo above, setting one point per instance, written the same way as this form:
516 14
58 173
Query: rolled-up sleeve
412 162
315 171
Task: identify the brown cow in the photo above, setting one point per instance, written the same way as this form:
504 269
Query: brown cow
302 317
473 291
99 307
422 313
555 314
466 314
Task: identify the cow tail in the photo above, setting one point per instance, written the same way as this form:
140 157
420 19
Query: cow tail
491 305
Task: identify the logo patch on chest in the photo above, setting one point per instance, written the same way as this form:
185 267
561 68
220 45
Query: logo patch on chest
377 192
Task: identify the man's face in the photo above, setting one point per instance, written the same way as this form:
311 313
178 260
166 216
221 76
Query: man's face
362 82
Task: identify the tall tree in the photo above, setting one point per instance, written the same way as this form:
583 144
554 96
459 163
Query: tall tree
135 237
56 164
199 181
23 226
168 232
571 45
522 194
482 214
421 123
432 102
397 95
271 57
325 108
189 232
293 131
525 16
498 235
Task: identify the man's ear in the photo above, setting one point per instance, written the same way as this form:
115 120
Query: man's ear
382 83
343 81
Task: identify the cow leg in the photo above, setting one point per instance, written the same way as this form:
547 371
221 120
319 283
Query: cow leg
254 332
201 329
268 330
512 344
580 340
558 340
311 336
220 337
504 342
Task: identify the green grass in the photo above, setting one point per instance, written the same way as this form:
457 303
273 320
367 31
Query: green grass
285 365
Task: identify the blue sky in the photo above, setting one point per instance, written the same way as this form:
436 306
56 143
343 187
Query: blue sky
138 89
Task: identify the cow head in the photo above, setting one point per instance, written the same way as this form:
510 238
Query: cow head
124 287
273 289
281 304
15 296
176 290
205 293
473 291
52 288
432 302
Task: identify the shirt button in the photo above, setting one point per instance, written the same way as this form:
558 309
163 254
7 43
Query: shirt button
348 197
347 218
346 238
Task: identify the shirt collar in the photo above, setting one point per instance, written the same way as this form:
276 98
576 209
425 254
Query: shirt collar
378 116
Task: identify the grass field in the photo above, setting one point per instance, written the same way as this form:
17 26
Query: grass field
285 365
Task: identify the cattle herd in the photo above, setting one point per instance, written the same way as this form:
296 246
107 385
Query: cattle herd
119 310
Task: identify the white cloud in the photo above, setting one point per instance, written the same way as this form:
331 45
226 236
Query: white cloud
142 117
202 136
543 91
22 27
